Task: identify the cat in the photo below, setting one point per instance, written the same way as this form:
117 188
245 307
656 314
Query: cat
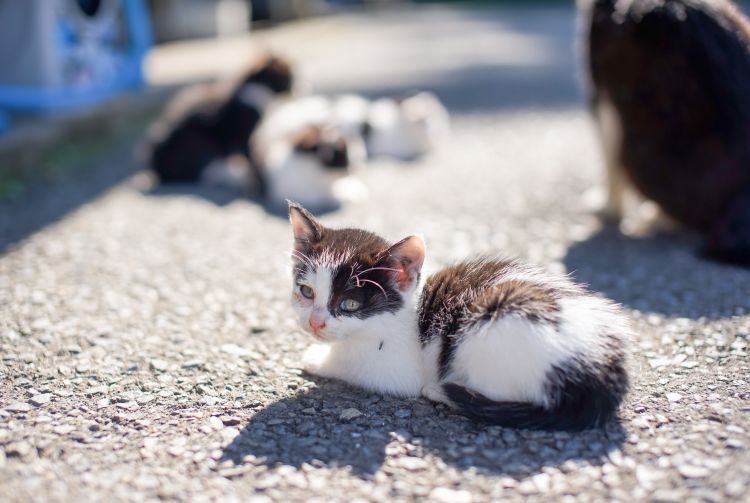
207 124
498 340
317 166
670 92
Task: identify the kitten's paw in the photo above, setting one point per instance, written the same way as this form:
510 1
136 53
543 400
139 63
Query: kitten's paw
314 359
435 393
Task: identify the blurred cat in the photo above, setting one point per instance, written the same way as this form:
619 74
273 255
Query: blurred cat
208 124
671 95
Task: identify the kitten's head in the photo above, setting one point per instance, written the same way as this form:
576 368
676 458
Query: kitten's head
331 148
346 278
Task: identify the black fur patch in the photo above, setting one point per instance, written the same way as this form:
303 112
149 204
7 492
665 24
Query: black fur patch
217 130
678 74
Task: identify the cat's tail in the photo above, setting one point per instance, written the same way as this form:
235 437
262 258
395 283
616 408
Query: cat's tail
526 415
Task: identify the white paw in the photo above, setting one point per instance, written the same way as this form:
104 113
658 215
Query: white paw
435 393
314 359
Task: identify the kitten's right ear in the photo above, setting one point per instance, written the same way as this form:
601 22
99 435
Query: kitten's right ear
406 258
304 226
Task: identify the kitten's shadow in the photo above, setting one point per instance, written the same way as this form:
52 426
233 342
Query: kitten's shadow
313 427
661 273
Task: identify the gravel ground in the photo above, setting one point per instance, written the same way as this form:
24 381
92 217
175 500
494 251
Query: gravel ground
148 350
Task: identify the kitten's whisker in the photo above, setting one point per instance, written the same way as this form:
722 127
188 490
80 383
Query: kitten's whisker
378 269
301 256
374 283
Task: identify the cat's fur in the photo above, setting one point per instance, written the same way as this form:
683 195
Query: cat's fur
402 129
671 94
501 341
208 123
315 166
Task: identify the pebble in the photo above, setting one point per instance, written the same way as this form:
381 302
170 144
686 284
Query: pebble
41 399
674 397
445 495
349 414
18 449
693 472
402 413
159 365
411 463
18 407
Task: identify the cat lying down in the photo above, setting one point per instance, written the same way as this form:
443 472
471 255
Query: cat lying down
498 340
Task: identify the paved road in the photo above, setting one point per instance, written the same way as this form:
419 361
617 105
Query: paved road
147 349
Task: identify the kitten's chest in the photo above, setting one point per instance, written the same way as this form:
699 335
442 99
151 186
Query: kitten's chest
387 366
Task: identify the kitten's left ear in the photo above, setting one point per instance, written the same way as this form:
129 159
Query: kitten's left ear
407 257
305 227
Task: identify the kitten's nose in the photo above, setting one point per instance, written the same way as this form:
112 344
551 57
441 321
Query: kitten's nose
317 324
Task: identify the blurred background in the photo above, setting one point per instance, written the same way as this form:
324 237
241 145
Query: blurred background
94 70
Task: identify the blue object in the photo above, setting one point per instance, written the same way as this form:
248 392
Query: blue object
4 123
128 67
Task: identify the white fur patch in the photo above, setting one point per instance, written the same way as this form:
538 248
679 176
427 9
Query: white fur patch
508 359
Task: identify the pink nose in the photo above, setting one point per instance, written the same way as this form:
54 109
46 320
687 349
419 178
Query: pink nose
317 324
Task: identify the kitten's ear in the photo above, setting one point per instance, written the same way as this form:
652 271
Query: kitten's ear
304 226
406 257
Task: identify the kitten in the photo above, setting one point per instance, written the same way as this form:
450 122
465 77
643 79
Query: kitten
209 123
498 340
304 156
681 140
311 167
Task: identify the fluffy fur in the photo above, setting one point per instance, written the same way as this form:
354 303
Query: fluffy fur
671 93
502 342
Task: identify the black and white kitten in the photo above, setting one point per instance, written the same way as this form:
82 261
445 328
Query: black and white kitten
498 340
206 124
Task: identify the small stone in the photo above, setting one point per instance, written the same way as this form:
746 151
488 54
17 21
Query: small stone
674 397
72 348
693 472
230 420
527 488
235 350
349 414
41 399
215 423
18 407
159 365
18 449
411 463
445 495
402 413
191 364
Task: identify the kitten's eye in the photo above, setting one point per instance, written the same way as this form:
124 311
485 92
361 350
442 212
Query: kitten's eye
350 305
306 291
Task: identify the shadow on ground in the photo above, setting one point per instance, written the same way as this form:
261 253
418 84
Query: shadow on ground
42 203
660 274
307 428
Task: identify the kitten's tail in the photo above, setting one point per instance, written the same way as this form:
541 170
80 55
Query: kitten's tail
525 415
